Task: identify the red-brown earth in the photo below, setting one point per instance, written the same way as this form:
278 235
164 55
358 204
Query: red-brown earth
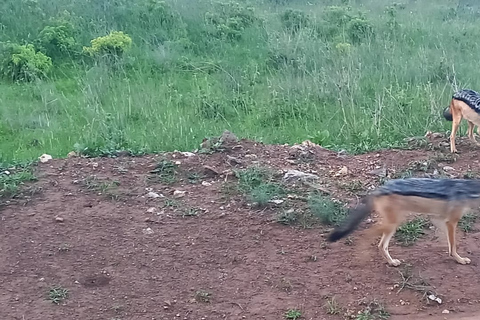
88 226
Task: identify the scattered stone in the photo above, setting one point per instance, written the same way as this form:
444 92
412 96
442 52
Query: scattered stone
147 231
151 210
448 168
45 158
206 184
445 311
382 172
434 298
233 160
210 171
178 193
187 154
293 174
276 201
72 154
178 163
154 195
342 172
148 220
59 219
6 172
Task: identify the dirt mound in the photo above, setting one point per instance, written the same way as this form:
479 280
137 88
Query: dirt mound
176 236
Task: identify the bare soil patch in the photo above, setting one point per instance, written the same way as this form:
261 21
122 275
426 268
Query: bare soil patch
169 236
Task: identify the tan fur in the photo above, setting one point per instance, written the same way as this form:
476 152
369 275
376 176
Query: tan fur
393 210
460 110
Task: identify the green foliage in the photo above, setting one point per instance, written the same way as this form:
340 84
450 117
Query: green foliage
258 185
193 69
57 41
114 44
163 22
294 20
409 232
229 20
329 212
359 29
23 62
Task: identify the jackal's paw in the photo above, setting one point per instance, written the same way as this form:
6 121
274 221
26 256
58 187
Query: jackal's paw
395 263
463 260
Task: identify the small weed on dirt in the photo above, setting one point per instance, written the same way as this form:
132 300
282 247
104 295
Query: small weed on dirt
12 180
408 233
165 171
293 314
467 222
57 294
326 210
373 310
332 306
258 185
108 188
202 296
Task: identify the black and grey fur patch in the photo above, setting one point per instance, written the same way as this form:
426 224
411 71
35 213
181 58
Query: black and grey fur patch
442 189
470 97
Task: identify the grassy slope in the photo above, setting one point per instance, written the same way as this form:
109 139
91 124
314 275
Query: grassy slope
270 85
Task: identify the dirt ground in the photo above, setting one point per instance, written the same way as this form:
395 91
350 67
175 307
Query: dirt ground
88 225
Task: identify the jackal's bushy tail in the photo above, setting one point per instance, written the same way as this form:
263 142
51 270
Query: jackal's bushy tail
447 113
353 220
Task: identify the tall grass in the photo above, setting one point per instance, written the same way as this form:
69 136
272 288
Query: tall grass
280 78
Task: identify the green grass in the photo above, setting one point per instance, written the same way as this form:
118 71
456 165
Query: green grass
197 68
57 294
12 179
258 185
409 232
326 210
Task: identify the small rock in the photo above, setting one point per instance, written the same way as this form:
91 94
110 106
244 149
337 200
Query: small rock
6 172
382 172
295 174
342 171
154 195
41 279
276 201
45 158
151 210
206 184
178 163
187 154
59 219
148 220
210 170
233 160
445 311
448 168
178 193
147 231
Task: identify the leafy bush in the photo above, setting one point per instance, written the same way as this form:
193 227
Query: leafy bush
359 29
162 21
23 62
294 20
113 44
229 20
57 40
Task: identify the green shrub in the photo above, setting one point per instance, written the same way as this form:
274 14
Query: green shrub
294 20
23 62
229 20
359 29
58 40
113 44
162 22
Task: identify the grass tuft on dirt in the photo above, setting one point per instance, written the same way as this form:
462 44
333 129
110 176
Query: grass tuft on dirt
409 232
